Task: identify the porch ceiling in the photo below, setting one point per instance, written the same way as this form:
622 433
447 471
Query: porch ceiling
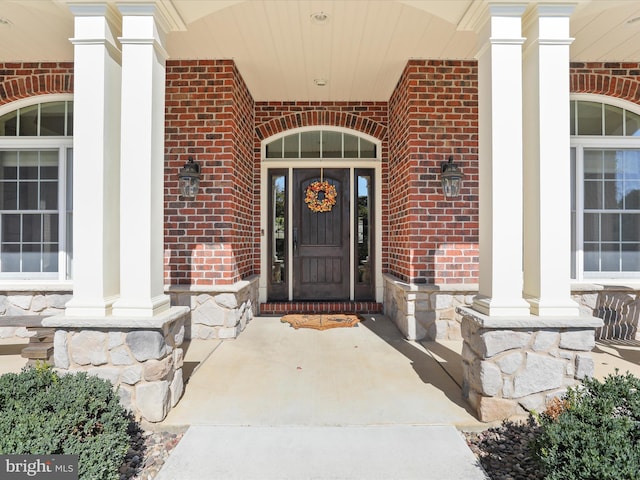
360 51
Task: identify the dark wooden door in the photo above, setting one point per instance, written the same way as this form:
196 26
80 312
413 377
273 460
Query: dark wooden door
321 239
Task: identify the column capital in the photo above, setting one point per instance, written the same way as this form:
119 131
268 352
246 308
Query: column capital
549 24
165 14
480 13
96 24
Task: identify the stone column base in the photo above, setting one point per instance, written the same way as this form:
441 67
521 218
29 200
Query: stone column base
141 356
512 366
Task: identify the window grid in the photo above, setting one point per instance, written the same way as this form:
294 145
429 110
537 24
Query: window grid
29 222
604 120
611 210
39 120
281 147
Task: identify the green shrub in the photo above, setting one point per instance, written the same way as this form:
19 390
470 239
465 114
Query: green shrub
44 413
596 433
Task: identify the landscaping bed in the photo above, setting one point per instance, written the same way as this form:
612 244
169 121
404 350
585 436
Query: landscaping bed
592 433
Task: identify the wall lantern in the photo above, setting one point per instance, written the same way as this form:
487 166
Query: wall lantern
189 179
451 178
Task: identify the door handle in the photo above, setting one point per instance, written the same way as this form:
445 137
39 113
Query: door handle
295 239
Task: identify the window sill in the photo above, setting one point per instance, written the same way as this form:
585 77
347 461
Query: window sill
8 285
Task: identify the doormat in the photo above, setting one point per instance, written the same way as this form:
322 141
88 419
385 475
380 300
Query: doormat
322 321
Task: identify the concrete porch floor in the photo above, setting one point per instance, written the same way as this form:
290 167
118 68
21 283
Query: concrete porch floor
273 374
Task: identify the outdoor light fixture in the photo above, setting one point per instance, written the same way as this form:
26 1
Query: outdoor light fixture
451 178
189 179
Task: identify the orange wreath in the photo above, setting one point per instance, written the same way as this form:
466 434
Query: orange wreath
312 197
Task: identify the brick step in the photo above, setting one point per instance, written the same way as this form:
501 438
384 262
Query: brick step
284 308
42 351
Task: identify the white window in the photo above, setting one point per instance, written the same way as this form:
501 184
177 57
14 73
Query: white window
35 189
605 160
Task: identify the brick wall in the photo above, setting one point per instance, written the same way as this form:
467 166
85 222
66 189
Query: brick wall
615 79
209 116
21 79
433 113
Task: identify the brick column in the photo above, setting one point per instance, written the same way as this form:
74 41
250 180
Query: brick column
547 205
500 191
96 171
142 151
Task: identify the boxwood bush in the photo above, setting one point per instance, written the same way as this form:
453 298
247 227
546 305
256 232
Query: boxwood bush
44 413
595 434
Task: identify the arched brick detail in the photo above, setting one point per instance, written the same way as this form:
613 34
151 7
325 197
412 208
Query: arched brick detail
619 80
316 118
24 80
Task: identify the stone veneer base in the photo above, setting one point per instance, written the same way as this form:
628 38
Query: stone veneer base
514 365
142 356
426 311
217 311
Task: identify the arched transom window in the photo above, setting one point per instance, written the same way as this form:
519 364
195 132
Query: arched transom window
321 144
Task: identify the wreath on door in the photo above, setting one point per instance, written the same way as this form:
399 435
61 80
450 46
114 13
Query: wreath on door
321 196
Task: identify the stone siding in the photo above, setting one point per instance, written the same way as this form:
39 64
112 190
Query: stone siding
30 303
514 366
426 311
142 357
221 312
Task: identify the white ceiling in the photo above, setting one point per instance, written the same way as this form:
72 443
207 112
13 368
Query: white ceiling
360 51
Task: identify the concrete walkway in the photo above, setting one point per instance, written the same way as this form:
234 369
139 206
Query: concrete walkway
358 403
300 453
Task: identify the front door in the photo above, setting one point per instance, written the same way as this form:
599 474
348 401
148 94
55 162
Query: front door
325 252
321 262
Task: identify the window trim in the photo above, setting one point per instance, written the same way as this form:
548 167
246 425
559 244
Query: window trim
64 145
321 128
606 142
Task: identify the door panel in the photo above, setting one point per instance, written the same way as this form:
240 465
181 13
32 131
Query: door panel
321 239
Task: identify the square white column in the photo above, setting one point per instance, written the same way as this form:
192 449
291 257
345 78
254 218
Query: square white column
96 163
500 152
547 202
142 153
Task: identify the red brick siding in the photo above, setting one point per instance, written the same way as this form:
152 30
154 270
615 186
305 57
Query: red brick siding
366 117
209 116
22 80
615 79
433 113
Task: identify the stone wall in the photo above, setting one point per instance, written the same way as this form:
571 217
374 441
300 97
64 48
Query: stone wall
220 311
426 311
30 303
515 365
142 357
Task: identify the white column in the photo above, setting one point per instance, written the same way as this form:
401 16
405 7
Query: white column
142 152
547 222
500 152
96 165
